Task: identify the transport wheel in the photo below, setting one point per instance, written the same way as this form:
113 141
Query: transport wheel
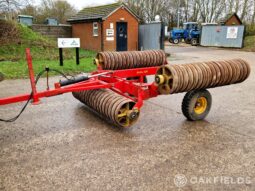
176 41
194 42
196 104
1 77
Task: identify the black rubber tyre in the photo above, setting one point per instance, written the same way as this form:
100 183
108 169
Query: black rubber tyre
176 41
196 104
1 77
194 42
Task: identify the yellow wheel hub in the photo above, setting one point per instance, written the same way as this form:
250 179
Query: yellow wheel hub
200 105
160 79
126 117
96 62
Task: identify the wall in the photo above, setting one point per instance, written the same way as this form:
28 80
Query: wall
59 31
84 31
121 15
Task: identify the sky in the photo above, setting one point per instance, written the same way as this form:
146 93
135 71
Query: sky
79 4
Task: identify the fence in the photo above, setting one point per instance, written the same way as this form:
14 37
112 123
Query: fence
222 36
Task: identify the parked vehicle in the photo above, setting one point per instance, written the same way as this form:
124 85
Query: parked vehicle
190 34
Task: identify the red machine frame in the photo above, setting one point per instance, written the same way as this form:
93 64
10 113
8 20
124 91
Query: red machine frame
115 80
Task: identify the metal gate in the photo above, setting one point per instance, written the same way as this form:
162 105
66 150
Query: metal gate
151 36
222 36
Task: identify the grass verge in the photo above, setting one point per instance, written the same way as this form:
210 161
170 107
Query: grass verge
44 52
18 70
249 43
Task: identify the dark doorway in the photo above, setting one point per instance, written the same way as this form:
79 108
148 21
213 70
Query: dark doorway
121 36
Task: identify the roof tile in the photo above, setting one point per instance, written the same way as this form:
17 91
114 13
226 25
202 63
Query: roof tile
97 12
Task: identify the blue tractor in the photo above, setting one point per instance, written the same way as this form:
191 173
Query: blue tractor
190 34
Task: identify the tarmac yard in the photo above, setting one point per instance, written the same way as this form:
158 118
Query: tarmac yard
60 145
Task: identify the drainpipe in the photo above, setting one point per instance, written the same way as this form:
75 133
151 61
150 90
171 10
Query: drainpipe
102 36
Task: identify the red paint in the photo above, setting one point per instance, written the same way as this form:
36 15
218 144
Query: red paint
32 77
114 80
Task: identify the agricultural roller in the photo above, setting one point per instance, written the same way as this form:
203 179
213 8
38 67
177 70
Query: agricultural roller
117 90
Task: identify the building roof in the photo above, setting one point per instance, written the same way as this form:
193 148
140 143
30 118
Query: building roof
98 12
25 16
228 17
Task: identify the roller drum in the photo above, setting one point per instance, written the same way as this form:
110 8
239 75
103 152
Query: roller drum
194 76
130 59
116 108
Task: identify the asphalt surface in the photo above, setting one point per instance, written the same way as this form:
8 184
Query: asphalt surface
60 145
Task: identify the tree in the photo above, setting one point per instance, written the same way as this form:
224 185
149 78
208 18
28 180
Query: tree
253 15
244 11
63 10
11 6
59 9
29 10
192 10
148 9
237 6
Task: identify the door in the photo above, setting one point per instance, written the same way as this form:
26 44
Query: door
121 36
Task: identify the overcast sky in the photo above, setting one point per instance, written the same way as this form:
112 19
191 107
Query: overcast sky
79 4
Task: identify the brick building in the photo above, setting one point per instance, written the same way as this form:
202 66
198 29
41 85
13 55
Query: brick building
231 19
112 27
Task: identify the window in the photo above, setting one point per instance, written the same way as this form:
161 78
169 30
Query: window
95 29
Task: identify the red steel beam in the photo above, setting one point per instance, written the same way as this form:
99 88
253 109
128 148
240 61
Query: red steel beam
32 77
115 80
